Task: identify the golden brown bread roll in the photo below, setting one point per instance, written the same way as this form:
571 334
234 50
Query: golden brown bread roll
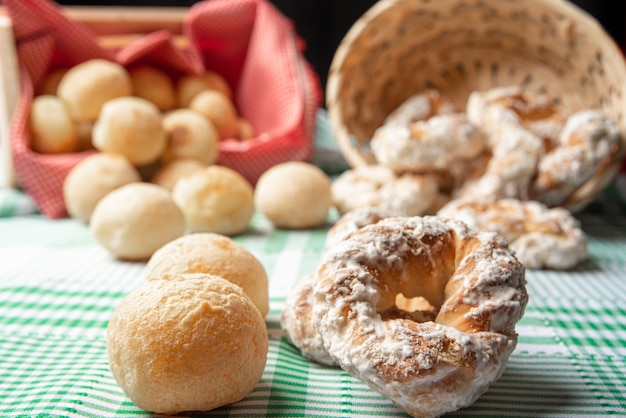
88 85
212 254
190 343
189 85
130 126
51 82
294 195
51 127
220 110
168 174
135 220
216 199
190 135
154 85
92 179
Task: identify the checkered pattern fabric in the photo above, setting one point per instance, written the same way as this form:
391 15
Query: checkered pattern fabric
58 289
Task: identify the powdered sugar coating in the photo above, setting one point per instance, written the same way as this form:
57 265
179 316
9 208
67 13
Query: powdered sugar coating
376 186
432 367
420 106
428 144
541 237
297 322
353 220
588 138
502 113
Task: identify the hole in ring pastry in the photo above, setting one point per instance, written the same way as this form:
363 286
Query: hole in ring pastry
426 368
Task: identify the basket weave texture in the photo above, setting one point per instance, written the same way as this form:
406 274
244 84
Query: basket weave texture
401 47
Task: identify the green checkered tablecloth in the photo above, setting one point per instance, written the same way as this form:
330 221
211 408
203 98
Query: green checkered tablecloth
58 289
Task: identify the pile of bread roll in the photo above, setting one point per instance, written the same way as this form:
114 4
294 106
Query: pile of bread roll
192 336
154 175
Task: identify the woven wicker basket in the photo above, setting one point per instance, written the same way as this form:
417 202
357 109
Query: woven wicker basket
400 47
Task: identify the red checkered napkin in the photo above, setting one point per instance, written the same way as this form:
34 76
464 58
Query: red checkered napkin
249 42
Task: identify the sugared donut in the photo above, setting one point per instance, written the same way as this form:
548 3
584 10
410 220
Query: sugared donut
511 168
588 138
435 143
426 368
377 186
541 237
513 105
296 320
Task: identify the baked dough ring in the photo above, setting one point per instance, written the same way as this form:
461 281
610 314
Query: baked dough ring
297 322
300 329
589 139
426 368
541 237
377 186
421 106
435 143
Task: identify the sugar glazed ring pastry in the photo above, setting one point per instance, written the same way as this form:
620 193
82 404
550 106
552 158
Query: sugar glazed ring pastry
377 186
426 145
510 120
541 237
298 323
588 139
425 368
296 320
421 106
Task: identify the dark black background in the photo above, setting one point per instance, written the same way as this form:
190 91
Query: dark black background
323 23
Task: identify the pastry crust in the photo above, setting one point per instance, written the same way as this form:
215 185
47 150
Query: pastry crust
471 278
541 237
432 144
588 140
379 187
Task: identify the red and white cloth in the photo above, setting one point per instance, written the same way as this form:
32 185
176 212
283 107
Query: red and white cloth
249 42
